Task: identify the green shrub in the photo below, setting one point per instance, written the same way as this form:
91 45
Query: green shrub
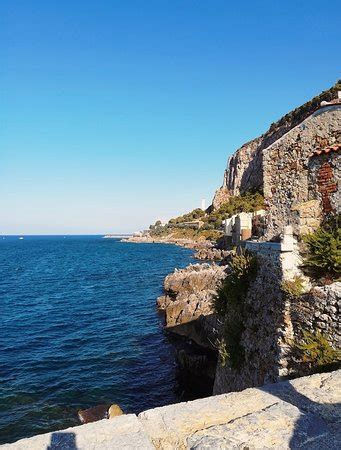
229 303
323 256
243 269
189 217
315 351
293 288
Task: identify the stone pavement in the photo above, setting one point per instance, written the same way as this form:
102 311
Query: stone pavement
304 413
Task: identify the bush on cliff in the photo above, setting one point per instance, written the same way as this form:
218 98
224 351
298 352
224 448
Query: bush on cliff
314 352
323 257
229 303
185 233
243 268
293 288
189 217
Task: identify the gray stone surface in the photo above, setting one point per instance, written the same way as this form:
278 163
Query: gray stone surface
189 293
303 413
123 432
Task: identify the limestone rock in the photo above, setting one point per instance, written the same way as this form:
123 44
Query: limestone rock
189 293
221 196
114 411
123 432
211 254
303 413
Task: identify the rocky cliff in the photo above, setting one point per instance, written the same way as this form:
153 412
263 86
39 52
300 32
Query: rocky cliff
188 300
244 170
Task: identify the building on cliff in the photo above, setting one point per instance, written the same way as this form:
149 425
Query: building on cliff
296 164
301 173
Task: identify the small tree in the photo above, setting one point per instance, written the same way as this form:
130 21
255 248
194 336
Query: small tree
323 256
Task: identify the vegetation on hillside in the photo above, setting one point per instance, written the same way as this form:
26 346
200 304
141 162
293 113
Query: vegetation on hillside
323 250
248 202
211 221
164 231
296 116
189 217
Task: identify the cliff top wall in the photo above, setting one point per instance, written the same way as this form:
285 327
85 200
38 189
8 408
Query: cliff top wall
245 168
303 413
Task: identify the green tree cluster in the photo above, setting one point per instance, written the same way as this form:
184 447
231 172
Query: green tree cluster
247 202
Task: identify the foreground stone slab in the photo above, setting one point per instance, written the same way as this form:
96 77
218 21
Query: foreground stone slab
303 413
123 432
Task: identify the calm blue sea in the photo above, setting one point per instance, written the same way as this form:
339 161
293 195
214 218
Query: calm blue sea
79 328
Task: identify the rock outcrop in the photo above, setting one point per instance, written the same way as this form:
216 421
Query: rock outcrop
99 412
211 254
221 196
181 242
189 293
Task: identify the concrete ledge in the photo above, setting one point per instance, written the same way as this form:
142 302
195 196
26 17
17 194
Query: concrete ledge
303 413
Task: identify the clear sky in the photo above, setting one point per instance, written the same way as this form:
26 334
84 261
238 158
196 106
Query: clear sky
116 113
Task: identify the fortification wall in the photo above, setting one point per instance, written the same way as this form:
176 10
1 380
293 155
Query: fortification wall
272 320
244 169
292 175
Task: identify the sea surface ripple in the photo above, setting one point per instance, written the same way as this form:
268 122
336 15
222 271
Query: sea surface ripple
79 328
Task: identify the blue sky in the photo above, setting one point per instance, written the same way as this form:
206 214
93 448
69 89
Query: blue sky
116 113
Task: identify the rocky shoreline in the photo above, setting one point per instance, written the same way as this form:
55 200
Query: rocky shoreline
186 243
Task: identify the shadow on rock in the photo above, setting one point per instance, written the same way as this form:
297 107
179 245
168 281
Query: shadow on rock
62 440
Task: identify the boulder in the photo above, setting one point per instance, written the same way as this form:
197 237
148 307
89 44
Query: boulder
93 414
114 411
189 293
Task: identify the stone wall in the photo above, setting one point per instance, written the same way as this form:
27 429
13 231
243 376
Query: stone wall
245 167
324 180
272 321
263 322
319 310
293 175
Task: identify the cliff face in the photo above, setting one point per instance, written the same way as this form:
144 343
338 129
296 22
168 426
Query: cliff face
244 170
188 300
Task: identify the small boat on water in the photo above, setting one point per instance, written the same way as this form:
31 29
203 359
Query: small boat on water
21 237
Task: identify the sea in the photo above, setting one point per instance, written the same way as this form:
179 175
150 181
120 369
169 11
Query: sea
79 327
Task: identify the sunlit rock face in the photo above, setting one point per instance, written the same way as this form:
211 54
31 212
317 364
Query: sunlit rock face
189 293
